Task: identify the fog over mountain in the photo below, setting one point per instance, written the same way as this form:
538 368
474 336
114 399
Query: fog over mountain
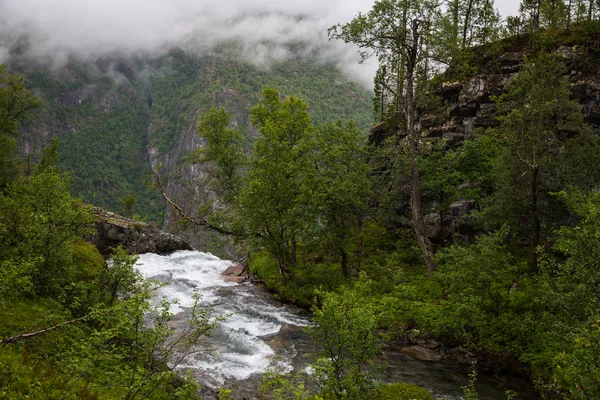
92 28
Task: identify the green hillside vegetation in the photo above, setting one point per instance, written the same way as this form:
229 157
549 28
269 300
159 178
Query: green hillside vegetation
109 113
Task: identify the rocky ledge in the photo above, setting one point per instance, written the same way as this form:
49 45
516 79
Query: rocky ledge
137 237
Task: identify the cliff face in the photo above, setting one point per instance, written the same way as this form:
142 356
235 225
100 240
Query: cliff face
468 105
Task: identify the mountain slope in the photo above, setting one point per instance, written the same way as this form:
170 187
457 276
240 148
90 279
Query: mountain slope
117 118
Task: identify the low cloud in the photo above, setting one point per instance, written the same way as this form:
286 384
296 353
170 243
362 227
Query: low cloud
55 29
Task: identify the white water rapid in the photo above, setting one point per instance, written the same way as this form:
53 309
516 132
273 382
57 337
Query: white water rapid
242 345
260 334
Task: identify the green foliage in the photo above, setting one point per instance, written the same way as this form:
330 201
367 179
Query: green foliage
477 279
273 202
223 150
15 102
39 223
93 332
307 278
342 189
300 196
277 386
403 391
129 202
346 331
465 34
535 109
578 372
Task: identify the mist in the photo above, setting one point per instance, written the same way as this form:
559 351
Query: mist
57 29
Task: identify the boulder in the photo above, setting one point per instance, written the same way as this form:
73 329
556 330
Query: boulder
421 353
235 269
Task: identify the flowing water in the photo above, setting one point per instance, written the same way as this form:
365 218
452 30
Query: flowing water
259 333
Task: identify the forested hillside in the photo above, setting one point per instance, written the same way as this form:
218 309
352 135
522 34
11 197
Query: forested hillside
116 117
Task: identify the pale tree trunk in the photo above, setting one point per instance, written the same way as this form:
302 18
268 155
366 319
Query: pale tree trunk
413 154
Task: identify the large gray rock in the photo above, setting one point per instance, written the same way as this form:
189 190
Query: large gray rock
421 353
114 230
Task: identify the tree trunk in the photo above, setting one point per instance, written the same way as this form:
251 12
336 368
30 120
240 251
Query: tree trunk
413 154
536 16
467 24
344 264
537 225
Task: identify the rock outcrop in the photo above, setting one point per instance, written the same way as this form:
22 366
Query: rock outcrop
469 105
137 237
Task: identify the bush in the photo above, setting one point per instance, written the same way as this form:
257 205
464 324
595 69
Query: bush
403 391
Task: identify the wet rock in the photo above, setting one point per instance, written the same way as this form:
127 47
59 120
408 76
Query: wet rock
236 272
136 237
236 269
421 353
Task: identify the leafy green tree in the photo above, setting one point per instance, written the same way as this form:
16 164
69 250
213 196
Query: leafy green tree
40 222
275 202
398 33
346 329
225 166
554 14
15 102
465 30
222 154
129 202
577 373
571 276
477 280
284 387
303 188
342 189
535 109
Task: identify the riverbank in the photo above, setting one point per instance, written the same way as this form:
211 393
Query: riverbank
401 320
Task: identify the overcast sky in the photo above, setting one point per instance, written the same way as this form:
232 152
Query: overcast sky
92 28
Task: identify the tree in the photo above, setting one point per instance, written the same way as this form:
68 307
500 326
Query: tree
15 102
554 14
275 201
466 28
398 32
129 202
530 9
39 223
346 329
342 188
535 111
222 155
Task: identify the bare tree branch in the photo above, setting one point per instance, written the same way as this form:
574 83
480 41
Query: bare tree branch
182 214
29 335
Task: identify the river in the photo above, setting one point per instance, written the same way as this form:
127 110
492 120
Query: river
260 334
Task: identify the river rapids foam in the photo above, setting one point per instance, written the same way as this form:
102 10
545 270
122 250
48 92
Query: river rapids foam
239 343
